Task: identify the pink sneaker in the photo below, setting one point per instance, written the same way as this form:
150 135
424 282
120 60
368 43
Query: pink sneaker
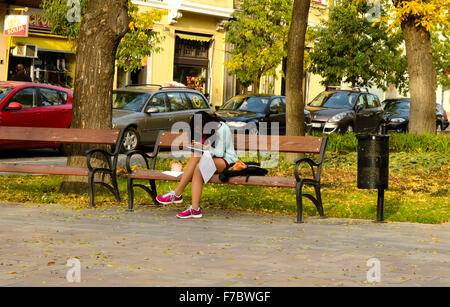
190 213
169 198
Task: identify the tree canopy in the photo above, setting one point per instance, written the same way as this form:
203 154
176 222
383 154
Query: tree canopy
350 47
139 42
418 19
259 33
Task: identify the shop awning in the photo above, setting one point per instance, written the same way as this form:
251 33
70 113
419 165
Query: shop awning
194 37
46 43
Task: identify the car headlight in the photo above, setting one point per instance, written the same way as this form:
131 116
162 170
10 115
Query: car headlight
338 117
308 117
398 120
236 124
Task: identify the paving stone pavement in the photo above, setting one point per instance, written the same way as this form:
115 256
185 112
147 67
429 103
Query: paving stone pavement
150 247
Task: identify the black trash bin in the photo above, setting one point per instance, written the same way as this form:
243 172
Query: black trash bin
373 166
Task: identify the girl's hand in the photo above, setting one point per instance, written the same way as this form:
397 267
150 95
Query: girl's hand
196 145
206 146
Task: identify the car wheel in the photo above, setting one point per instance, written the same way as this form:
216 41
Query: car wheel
379 129
348 129
130 140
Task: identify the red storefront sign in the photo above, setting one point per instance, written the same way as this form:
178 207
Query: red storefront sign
16 25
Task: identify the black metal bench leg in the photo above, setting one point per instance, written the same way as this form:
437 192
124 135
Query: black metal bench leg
91 189
153 189
298 190
319 201
130 194
116 187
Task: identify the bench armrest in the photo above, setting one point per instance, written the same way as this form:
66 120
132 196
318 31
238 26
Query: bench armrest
142 154
311 163
105 153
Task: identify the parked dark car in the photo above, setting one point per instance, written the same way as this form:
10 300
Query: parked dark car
441 118
255 113
340 109
27 104
396 114
145 110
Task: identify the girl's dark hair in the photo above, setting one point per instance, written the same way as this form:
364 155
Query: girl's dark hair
205 119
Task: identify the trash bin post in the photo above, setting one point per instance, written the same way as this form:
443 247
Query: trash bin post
380 205
373 166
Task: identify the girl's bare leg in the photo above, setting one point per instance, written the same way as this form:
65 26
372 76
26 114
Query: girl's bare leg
197 182
187 174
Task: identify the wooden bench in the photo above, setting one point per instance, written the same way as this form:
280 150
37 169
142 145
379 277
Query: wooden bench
297 144
68 136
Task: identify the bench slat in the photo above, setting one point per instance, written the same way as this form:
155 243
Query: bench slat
59 135
293 144
43 169
275 143
284 182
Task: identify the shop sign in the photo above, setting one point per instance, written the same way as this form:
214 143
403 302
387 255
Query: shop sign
38 21
16 25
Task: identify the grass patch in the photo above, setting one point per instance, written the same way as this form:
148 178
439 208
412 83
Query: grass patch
418 190
398 142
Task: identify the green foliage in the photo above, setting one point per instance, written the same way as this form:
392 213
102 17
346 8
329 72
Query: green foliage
440 42
258 32
56 13
350 48
140 41
398 142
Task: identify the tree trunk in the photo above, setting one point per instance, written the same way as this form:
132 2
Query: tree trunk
295 117
257 85
104 24
422 78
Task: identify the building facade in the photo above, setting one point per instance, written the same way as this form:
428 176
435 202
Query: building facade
193 47
47 58
193 50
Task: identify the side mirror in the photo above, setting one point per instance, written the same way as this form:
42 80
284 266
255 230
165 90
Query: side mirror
217 108
14 106
152 110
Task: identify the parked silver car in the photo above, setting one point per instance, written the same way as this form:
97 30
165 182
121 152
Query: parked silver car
145 110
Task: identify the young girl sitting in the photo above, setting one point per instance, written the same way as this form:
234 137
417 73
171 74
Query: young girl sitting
208 132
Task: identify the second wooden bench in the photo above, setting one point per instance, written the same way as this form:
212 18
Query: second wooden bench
68 136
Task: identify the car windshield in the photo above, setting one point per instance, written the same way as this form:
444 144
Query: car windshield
4 91
334 100
129 101
251 104
397 106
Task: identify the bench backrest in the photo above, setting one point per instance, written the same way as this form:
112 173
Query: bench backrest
60 135
291 144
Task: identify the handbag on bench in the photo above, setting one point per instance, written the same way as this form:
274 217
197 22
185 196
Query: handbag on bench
240 168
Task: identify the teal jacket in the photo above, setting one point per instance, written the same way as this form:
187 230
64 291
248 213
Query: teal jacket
224 146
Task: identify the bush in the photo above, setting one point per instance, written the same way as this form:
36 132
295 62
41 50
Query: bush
398 142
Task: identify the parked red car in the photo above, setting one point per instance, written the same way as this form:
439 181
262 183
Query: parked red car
25 104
